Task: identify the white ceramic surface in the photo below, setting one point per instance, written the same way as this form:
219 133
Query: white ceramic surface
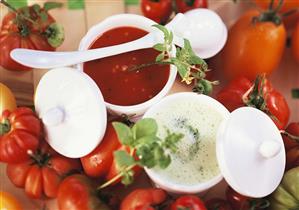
134 21
73 112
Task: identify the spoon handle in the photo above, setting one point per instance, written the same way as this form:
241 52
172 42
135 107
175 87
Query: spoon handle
46 60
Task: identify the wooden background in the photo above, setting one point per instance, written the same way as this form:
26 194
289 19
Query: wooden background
77 22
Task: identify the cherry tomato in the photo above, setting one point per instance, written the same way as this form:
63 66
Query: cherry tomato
143 199
295 42
99 161
234 96
241 202
157 10
8 101
218 204
20 133
24 34
77 192
190 202
243 54
292 146
42 174
8 201
186 5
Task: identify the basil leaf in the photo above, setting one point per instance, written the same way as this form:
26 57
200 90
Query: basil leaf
124 133
145 127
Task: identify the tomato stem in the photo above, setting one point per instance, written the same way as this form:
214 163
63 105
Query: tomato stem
16 11
119 175
291 136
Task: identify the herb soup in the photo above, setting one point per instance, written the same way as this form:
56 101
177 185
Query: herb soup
195 160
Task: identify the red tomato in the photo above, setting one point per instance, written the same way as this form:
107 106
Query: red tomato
20 132
292 146
241 202
8 201
99 161
190 202
23 34
295 42
218 204
76 192
143 199
243 54
157 10
233 96
42 174
186 5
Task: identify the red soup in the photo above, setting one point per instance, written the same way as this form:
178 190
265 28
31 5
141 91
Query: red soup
118 85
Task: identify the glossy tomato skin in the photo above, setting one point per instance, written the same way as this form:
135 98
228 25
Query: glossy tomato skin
143 198
11 37
8 201
44 176
190 202
99 161
157 10
291 146
23 135
295 42
76 192
218 204
231 96
253 48
186 5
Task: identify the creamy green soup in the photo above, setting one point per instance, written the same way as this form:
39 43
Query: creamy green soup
195 161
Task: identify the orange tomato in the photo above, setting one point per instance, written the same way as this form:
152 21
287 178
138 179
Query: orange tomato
8 201
295 42
288 5
253 48
7 99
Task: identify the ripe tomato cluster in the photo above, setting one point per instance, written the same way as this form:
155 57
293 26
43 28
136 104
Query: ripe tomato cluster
161 10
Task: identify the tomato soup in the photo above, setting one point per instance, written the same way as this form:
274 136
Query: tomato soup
118 85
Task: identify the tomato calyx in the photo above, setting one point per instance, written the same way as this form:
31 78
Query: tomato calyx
189 3
4 127
270 15
259 203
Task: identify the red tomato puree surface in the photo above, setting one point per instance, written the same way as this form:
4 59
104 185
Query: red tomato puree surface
118 85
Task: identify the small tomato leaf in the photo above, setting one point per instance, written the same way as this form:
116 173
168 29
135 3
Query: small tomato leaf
160 57
124 133
123 159
160 47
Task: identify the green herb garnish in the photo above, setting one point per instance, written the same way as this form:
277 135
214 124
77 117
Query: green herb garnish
142 140
191 68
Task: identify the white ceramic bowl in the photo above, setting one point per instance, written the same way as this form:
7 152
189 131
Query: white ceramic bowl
167 184
134 21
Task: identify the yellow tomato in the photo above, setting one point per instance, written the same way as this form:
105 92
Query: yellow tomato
7 99
9 202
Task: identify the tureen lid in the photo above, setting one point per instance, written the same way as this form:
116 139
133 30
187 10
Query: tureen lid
73 112
250 152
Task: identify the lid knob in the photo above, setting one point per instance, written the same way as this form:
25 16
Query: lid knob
53 116
269 149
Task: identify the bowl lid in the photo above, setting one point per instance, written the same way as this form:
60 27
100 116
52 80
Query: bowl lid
72 110
250 152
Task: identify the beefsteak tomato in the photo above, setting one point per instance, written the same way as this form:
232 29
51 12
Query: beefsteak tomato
143 199
255 45
190 202
260 94
157 10
43 173
20 131
7 101
30 27
8 201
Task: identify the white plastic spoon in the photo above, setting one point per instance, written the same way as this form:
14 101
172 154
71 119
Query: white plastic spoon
202 27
